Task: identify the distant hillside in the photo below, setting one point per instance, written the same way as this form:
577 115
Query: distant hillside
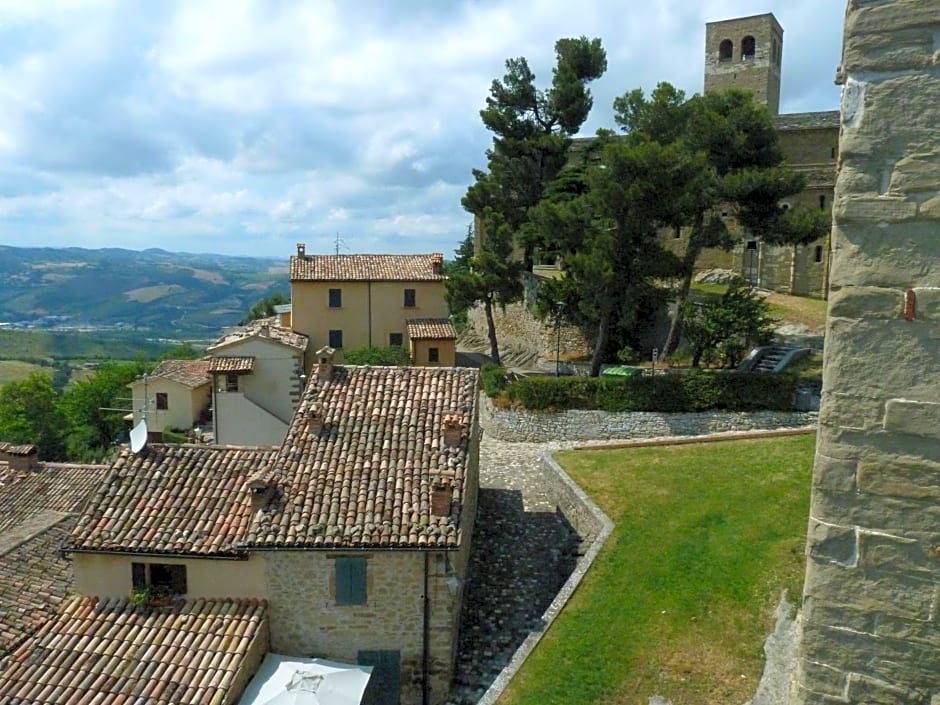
156 292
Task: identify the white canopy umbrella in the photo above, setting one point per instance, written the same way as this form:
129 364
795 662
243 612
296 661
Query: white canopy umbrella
286 680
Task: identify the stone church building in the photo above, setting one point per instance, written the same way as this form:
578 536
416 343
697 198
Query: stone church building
747 53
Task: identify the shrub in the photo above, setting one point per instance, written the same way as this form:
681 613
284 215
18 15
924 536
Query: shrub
390 356
696 391
494 379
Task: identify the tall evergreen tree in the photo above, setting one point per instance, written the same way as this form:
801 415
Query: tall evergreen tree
740 142
532 131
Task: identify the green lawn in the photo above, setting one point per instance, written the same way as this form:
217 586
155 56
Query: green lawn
15 370
680 600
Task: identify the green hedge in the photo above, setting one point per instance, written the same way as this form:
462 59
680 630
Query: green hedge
494 379
695 391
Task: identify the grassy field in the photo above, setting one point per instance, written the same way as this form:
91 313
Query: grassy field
789 309
680 599
15 370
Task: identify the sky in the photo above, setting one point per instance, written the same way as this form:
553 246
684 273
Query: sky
242 127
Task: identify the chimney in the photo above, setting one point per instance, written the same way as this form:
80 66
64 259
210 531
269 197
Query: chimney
301 250
453 430
23 458
437 262
441 495
265 328
261 487
325 363
314 419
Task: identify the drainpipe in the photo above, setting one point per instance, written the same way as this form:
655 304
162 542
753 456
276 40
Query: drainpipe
369 284
215 410
426 656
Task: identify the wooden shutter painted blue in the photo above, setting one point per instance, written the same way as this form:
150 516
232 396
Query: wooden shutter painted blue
350 581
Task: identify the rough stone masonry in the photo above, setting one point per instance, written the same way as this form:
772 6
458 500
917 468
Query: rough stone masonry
871 618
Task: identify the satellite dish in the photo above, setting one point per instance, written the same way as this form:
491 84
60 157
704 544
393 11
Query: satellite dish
139 436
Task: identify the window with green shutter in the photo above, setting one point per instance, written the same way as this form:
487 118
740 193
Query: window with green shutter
350 581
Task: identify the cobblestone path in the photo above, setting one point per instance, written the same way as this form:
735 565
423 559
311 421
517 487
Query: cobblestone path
522 554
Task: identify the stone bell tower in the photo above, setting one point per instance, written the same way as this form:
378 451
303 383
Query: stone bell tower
745 53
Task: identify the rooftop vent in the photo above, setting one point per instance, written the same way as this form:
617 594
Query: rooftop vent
261 487
301 249
442 493
314 419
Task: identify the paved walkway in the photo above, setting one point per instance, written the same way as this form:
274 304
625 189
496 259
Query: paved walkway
522 554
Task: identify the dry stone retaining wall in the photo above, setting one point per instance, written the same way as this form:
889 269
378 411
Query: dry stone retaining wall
582 425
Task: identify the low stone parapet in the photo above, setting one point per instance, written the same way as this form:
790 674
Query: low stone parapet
589 425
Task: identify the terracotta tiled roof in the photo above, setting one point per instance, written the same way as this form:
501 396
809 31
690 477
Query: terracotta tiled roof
189 373
52 486
430 329
34 581
108 651
365 479
37 514
807 121
170 499
261 329
226 365
23 449
335 268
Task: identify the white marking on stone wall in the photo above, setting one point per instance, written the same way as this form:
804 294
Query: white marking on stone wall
853 103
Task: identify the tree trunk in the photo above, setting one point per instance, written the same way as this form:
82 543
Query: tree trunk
688 268
603 331
491 331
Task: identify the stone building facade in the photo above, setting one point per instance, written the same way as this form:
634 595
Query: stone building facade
871 601
746 53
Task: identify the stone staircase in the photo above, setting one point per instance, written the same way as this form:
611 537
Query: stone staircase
772 358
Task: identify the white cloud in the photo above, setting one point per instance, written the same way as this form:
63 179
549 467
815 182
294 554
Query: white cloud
241 125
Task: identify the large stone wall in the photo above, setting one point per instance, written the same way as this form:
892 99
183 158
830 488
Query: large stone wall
584 425
871 603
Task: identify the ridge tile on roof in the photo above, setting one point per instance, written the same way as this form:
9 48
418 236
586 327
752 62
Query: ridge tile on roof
336 268
261 329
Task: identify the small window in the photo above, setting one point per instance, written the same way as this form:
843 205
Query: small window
725 50
409 298
748 48
336 298
677 233
832 153
163 401
817 254
161 578
752 244
336 338
434 355
822 203
350 581
231 383
395 340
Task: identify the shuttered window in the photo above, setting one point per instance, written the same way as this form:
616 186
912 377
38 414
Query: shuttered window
350 581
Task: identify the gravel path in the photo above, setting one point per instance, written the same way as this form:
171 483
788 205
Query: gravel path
523 552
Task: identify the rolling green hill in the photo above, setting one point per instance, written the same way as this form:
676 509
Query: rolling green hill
154 292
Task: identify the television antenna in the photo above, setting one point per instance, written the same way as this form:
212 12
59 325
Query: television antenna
339 242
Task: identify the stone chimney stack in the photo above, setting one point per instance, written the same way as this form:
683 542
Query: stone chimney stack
325 363
314 419
453 430
265 328
262 488
442 493
22 458
301 250
437 263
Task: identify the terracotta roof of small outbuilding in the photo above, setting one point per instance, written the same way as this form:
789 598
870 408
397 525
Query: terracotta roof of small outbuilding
263 329
189 373
336 268
108 651
364 480
430 329
225 365
172 499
